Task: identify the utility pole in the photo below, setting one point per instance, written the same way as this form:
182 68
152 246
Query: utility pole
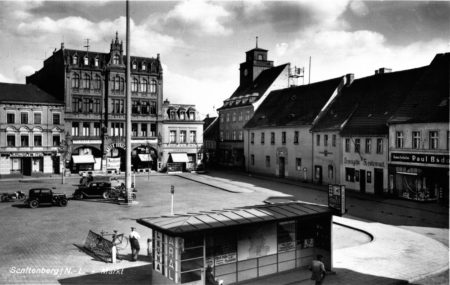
128 198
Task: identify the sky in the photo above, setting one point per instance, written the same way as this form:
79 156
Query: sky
202 43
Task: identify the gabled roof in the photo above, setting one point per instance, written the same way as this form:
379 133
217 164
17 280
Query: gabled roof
211 129
181 224
428 99
256 89
377 98
294 106
25 93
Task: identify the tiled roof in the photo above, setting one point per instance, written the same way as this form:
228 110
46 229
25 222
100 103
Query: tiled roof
25 93
295 105
211 128
377 98
428 100
256 89
180 224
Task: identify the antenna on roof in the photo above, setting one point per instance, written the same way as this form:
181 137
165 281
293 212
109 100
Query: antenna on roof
87 45
309 73
256 41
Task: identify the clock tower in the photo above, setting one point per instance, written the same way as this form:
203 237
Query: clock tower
255 62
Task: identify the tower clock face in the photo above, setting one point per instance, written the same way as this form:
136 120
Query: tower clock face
245 72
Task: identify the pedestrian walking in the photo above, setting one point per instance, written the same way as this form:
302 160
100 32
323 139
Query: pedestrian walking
318 270
149 249
134 243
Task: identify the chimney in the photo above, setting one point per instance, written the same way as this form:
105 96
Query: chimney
383 70
349 79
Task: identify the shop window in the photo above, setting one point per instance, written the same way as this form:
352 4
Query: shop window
24 118
318 140
24 140
333 141
415 140
252 138
11 140
286 236
379 146
75 127
369 176
192 259
10 118
283 137
56 140
306 234
38 118
296 137
56 119
262 138
173 136
221 248
272 138
325 140
252 159
267 161
434 140
37 140
347 145
349 174
399 139
357 145
368 145
357 176
298 164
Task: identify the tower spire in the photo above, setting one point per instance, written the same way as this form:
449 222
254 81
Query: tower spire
256 41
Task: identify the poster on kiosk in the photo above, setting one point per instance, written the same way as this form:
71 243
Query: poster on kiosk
336 199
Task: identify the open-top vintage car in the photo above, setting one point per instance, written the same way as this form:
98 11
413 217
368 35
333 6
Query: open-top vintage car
45 196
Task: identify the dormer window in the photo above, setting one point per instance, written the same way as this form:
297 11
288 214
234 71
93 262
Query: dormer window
192 116
86 60
116 59
75 59
172 115
143 66
182 115
134 66
260 57
96 62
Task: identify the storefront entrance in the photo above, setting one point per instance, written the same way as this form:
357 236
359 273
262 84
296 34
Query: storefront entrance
378 181
282 167
26 165
362 181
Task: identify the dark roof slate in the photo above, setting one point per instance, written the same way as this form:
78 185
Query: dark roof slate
191 223
211 128
258 87
25 93
428 100
295 105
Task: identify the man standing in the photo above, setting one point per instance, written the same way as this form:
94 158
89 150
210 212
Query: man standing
134 243
318 270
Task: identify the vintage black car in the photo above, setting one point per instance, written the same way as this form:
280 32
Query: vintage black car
45 196
93 190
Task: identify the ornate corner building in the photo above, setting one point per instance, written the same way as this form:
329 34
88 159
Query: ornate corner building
92 87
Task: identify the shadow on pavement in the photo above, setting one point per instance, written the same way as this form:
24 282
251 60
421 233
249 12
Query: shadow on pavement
131 275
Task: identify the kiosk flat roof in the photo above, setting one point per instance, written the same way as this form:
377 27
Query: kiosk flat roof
215 219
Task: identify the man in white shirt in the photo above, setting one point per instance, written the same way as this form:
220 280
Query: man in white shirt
318 270
134 243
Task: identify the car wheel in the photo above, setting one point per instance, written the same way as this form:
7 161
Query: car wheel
33 204
105 195
62 203
133 196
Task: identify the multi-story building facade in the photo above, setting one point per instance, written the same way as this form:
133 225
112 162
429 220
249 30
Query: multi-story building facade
278 140
210 138
92 86
181 142
419 137
31 130
258 77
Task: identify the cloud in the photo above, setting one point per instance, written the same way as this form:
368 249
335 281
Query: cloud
198 18
23 71
359 8
281 48
6 79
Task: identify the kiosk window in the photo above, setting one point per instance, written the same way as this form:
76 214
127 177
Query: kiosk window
286 236
192 259
350 174
305 234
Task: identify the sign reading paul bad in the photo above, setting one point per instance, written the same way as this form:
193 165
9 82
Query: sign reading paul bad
434 159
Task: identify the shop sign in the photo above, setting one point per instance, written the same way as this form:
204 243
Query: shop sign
115 145
286 246
436 159
113 163
225 258
336 198
364 162
26 154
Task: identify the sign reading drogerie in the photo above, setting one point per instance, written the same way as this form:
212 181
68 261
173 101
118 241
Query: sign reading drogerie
436 159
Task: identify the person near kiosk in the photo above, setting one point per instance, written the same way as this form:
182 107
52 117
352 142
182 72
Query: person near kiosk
134 243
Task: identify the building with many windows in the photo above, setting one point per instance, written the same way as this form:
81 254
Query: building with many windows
419 137
258 77
92 86
181 141
31 130
277 139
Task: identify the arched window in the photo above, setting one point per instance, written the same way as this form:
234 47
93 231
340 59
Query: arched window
143 87
75 59
97 82
86 81
134 85
76 81
153 86
116 59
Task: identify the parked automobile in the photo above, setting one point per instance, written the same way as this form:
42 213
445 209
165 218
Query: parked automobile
18 195
116 193
116 182
45 196
93 190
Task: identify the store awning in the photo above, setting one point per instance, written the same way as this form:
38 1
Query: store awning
194 222
145 157
78 159
179 157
